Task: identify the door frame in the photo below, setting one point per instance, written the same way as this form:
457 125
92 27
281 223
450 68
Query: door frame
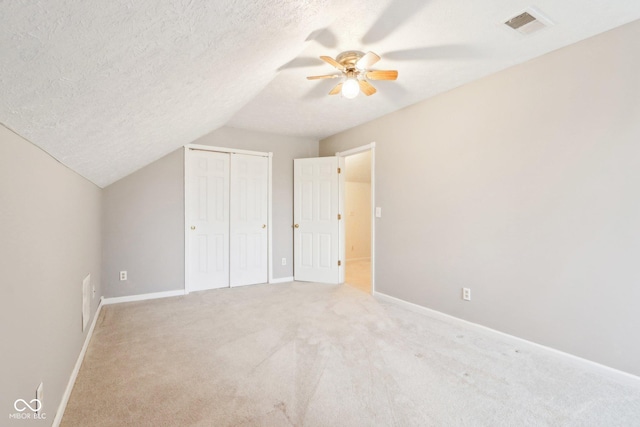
188 163
341 155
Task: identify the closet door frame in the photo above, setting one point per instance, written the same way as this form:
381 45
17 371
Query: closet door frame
188 162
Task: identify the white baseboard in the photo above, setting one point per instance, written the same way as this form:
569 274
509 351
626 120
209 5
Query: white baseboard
76 368
598 368
74 374
142 297
282 280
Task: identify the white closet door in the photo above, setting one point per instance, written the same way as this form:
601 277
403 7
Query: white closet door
249 201
209 220
315 213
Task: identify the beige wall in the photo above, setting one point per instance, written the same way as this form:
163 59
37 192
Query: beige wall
524 187
144 214
49 241
358 205
357 220
144 229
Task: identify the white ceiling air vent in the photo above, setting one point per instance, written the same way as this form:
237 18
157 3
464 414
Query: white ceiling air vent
529 22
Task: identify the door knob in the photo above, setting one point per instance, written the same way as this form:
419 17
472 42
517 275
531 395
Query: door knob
297 226
264 225
193 227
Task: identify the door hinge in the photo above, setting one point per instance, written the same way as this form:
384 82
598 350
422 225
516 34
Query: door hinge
339 170
339 263
339 217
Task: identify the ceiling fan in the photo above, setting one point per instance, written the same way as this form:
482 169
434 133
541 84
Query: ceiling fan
354 66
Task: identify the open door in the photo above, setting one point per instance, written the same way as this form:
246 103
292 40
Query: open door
316 220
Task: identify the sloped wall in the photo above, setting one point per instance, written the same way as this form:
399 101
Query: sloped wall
50 240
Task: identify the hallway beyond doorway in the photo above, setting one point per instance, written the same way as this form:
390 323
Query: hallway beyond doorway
358 274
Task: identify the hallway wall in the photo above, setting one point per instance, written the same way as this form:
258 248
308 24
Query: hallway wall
358 220
358 205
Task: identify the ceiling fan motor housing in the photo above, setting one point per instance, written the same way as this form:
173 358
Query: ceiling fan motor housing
354 65
349 58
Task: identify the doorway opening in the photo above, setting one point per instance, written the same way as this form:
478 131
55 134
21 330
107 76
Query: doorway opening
321 214
358 211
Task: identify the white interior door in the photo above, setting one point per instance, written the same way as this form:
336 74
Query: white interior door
315 212
208 220
249 202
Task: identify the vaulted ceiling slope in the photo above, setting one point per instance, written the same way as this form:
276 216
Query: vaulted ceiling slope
108 87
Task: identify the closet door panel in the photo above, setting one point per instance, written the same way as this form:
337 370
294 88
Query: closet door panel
248 219
208 220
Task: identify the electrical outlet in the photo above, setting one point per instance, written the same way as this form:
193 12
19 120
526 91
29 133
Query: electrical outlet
284 261
466 294
123 275
39 391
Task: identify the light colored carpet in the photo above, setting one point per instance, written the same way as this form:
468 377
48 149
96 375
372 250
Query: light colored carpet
305 354
358 274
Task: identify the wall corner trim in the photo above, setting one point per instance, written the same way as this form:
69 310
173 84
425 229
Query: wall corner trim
586 364
281 280
142 297
76 369
356 150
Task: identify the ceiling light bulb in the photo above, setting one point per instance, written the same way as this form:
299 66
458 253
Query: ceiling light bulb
350 88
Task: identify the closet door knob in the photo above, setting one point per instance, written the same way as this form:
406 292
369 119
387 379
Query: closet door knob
297 226
193 227
264 225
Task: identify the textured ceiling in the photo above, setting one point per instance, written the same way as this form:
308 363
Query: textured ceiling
108 87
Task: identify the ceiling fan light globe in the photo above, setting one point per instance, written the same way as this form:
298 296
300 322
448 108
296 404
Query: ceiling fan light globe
350 88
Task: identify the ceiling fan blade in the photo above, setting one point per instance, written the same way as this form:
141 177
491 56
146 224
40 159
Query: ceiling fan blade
336 90
327 76
366 87
329 60
367 60
382 75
